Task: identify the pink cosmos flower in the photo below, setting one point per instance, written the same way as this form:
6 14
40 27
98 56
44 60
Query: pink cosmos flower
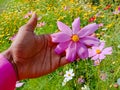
98 53
40 24
74 41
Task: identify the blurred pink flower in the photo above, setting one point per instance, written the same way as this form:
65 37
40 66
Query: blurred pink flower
100 25
98 14
103 76
74 41
28 14
81 80
66 8
117 11
97 62
40 24
13 37
98 53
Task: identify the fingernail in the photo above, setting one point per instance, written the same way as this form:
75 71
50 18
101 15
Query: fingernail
34 13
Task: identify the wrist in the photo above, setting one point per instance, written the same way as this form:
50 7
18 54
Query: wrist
8 55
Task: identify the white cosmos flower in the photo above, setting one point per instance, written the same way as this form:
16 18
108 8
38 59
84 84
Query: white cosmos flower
69 74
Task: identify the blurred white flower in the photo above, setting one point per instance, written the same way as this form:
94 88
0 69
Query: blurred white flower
64 81
104 29
113 62
102 40
118 46
85 87
19 84
118 81
39 18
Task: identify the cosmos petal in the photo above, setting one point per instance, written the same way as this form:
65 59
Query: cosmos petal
76 25
107 51
88 30
71 52
90 41
64 28
61 47
101 56
60 37
91 52
102 45
82 51
95 57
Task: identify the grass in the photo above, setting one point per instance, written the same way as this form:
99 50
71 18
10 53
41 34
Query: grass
66 11
3 4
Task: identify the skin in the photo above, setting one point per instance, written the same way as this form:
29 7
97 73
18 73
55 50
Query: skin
31 55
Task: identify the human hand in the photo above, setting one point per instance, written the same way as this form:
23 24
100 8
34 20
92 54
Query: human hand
33 55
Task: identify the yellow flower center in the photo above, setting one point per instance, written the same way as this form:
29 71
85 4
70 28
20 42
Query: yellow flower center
98 51
69 74
75 38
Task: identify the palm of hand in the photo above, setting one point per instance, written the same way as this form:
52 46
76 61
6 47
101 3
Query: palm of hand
34 55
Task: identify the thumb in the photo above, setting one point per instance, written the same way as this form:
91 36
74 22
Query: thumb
32 22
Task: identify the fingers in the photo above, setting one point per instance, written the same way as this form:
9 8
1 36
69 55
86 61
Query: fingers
32 22
64 61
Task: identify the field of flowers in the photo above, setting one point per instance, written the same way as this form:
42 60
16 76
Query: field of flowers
82 74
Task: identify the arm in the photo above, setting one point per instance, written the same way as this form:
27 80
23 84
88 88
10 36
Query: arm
7 74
